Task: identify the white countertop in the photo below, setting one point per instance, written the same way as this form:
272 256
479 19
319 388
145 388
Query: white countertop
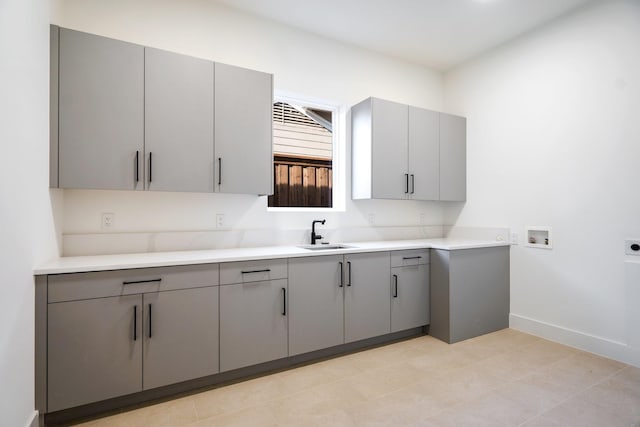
80 264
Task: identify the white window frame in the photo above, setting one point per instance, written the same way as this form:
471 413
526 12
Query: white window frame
338 163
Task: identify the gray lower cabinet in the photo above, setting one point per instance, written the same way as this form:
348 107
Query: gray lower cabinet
409 289
114 333
178 121
337 299
469 292
94 350
180 333
366 296
253 323
316 303
243 130
100 112
453 158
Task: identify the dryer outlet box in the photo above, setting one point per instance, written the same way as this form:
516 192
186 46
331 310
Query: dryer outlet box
632 247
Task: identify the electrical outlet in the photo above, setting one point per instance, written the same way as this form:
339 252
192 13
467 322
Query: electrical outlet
108 219
514 238
371 218
219 220
632 247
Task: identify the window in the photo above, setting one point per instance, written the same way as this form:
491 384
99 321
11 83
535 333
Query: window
303 155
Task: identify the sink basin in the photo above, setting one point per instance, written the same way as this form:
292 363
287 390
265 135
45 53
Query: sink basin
321 247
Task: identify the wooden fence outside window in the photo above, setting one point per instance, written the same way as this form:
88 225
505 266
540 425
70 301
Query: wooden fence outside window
302 182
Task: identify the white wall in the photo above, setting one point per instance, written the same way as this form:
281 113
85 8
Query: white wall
26 224
303 65
554 139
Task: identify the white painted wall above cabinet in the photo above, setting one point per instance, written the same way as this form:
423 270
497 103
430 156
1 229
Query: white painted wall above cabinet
405 152
137 118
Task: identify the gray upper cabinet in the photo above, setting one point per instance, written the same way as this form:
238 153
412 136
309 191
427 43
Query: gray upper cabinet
101 118
406 152
389 134
178 112
453 158
243 130
366 300
94 350
180 330
129 117
424 147
316 300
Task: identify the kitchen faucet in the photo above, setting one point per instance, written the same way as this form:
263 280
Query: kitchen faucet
315 236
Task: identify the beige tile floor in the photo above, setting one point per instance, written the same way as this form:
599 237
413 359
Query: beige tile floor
507 378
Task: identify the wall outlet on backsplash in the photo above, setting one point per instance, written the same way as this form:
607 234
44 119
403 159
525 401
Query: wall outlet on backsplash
108 220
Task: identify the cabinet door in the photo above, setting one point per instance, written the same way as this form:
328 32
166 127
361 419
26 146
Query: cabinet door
178 122
253 323
316 298
94 350
243 130
409 297
389 153
366 301
424 161
453 158
101 101
180 336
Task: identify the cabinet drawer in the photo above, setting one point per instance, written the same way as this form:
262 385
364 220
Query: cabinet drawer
253 271
78 286
409 257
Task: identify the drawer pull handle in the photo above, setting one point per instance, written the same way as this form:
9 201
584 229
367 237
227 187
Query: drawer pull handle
395 291
132 282
266 270
349 265
135 322
341 275
284 301
149 320
411 257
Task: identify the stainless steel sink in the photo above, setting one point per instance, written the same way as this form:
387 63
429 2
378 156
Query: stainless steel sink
321 247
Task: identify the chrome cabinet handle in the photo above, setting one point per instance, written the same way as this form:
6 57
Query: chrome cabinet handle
341 275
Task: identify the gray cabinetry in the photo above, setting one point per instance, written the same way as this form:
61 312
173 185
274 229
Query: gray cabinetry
389 178
405 152
178 99
424 165
469 292
453 158
180 332
101 102
95 350
366 295
409 289
253 314
243 130
338 299
316 303
114 333
128 117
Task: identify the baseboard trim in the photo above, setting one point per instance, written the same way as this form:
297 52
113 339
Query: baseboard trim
591 343
34 421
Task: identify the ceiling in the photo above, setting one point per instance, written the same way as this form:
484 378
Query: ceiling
439 34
